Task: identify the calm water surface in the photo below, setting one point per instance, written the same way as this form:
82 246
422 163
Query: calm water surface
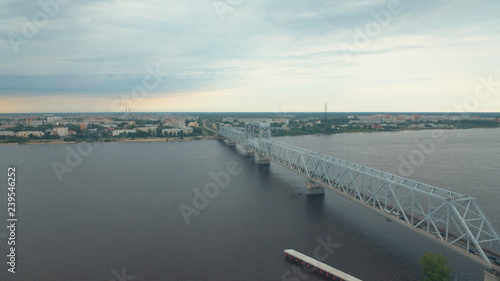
119 210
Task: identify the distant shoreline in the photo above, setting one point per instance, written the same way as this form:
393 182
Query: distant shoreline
117 140
58 141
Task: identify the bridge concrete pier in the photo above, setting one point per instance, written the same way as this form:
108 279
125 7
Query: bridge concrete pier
314 188
247 152
230 142
261 160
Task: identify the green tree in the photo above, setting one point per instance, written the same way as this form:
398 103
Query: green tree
159 132
435 267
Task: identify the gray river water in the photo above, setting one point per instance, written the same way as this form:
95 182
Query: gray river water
118 212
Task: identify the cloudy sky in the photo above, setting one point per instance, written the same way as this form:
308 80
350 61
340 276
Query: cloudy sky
249 55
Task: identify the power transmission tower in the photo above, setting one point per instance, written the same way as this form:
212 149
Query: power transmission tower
326 107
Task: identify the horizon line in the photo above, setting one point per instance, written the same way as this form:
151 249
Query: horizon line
259 112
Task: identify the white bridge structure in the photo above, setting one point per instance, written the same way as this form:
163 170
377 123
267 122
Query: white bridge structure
455 219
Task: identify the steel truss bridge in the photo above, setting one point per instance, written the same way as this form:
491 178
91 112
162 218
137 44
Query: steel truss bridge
453 218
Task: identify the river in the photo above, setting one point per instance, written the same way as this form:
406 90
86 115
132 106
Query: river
117 214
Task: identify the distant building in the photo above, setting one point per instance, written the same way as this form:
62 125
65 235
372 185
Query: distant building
175 132
33 122
281 120
151 128
175 122
171 131
7 133
53 119
26 134
147 128
52 132
62 131
119 132
193 124
83 126
106 120
228 119
8 126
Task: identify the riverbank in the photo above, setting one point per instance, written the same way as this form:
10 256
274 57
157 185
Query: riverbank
115 140
214 137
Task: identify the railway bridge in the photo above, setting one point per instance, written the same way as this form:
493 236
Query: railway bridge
453 218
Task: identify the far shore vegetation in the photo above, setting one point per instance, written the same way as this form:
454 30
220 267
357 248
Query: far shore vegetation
108 127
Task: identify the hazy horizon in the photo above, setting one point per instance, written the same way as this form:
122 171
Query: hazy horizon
265 112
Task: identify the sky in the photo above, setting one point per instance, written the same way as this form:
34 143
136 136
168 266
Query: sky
249 56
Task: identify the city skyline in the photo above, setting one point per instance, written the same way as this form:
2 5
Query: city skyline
249 56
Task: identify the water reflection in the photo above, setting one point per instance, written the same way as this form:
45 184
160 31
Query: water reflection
315 206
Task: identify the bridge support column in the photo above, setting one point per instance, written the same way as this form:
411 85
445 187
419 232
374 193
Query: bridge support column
230 142
493 274
247 152
261 160
314 188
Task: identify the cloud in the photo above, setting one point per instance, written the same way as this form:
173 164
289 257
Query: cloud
266 50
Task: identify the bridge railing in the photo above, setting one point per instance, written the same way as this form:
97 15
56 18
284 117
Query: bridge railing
452 217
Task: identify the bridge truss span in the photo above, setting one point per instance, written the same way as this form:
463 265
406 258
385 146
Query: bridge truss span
454 218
